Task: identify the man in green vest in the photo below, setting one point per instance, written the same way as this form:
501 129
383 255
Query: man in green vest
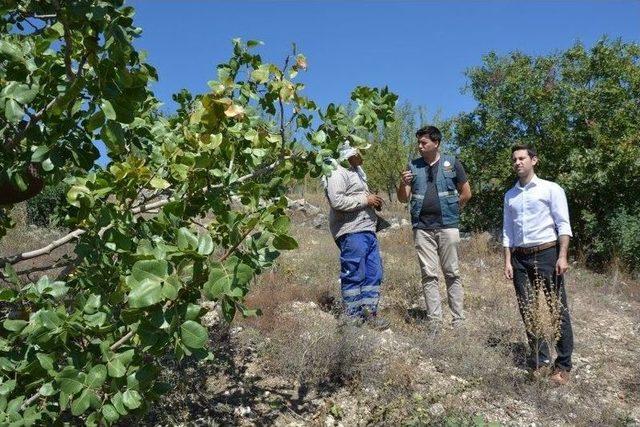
437 188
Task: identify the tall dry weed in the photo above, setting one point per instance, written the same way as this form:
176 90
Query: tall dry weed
542 311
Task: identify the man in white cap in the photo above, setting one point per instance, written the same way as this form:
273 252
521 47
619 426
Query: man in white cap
352 221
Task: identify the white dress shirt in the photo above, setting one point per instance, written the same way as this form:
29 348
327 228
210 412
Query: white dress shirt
534 214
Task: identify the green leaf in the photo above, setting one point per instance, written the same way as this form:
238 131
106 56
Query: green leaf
107 109
95 121
96 320
10 275
228 309
284 242
49 319
45 361
94 301
96 376
193 334
70 381
218 283
281 225
193 311
13 111
186 240
205 244
131 399
47 389
81 404
40 153
47 165
14 325
7 387
113 136
7 294
224 277
63 400
159 183
260 74
118 404
153 269
147 293
319 137
115 367
77 192
171 287
110 414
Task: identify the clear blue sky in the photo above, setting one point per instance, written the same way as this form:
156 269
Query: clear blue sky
419 49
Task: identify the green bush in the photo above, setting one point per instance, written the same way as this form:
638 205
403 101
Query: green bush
580 109
625 237
41 209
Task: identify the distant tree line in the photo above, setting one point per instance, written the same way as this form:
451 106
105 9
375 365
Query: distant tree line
580 108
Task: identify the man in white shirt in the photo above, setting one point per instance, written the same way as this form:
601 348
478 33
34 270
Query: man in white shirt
536 234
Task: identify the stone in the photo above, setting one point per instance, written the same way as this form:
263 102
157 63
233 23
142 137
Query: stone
436 409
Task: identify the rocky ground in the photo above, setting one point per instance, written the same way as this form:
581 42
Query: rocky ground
298 364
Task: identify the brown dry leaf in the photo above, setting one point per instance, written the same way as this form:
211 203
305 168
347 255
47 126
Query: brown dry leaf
301 62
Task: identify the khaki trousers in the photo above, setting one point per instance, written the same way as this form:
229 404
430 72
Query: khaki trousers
440 247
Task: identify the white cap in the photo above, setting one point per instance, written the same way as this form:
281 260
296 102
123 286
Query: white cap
346 150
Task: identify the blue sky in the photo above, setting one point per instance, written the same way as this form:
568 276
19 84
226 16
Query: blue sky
419 49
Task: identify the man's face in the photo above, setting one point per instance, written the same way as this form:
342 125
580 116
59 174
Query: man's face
426 145
355 160
522 163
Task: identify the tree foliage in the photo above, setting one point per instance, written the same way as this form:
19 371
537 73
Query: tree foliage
390 150
581 110
394 145
85 346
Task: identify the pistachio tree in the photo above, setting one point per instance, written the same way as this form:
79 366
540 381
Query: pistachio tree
189 208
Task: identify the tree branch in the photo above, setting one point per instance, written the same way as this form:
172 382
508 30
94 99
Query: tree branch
29 401
13 259
281 104
232 249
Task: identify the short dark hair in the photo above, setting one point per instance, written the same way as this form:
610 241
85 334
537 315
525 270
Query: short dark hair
432 132
530 150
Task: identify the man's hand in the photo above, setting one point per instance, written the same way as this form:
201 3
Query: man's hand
561 265
374 201
407 177
508 271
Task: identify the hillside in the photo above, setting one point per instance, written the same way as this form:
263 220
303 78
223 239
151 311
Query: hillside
297 365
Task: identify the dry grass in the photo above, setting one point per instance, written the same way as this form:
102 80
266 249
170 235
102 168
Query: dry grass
400 376
486 358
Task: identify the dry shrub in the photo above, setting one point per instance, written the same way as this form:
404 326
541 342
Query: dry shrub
313 350
542 311
479 246
272 293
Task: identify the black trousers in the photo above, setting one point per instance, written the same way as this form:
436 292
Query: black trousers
525 269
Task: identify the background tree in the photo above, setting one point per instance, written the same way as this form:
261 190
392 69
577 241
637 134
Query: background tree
390 150
85 346
581 109
394 145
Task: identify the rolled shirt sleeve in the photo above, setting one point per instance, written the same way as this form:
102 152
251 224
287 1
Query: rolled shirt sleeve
560 211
